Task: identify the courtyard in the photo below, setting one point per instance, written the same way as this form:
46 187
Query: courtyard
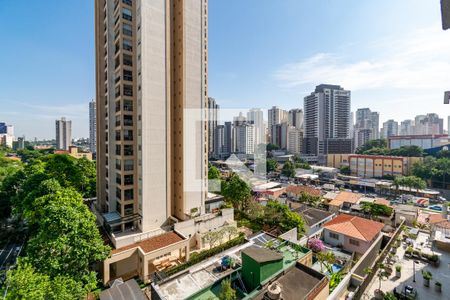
411 273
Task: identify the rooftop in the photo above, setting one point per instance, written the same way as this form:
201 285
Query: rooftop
312 215
297 282
153 243
355 227
348 197
298 189
128 290
262 255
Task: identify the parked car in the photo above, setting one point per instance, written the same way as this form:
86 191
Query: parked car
435 207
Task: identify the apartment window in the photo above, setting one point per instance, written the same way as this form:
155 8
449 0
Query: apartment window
127 30
127 45
129 194
126 14
353 242
128 2
118 179
128 135
128 165
128 105
118 164
128 150
117 91
117 149
128 90
333 235
128 179
117 135
127 60
128 209
127 75
128 120
118 193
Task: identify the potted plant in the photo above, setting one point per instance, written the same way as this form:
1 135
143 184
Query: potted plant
427 276
398 271
434 259
438 286
409 251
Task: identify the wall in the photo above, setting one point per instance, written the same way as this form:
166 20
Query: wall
331 241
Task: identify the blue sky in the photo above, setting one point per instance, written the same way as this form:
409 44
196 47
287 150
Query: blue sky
393 55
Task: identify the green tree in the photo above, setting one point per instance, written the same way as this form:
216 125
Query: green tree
236 191
277 214
271 165
326 259
288 169
227 292
271 147
67 241
375 210
213 173
25 283
345 170
380 143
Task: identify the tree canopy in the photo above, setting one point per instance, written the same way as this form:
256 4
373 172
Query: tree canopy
288 169
380 147
213 172
236 191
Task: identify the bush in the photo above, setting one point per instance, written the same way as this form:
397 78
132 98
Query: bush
198 257
427 275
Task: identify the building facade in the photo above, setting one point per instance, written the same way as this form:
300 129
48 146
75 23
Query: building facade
373 166
63 134
366 126
425 142
213 115
390 128
406 127
92 127
275 116
152 142
326 116
295 118
294 140
255 116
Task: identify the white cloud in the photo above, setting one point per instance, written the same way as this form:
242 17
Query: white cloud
418 60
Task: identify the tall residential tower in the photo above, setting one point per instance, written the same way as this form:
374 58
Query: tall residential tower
152 142
63 134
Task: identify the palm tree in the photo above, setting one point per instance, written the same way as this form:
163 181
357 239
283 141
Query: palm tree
326 259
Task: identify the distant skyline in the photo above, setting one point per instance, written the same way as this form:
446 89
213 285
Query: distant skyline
392 55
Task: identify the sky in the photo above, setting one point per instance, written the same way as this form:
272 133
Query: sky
392 55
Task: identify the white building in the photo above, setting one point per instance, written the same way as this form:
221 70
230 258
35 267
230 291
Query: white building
326 116
244 138
294 140
276 116
255 116
63 134
390 128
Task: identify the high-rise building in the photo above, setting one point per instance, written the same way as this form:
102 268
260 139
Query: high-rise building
2 128
255 116
151 73
63 134
228 139
390 128
366 126
92 127
295 118
294 140
448 125
213 116
275 116
244 135
428 124
406 127
279 135
326 116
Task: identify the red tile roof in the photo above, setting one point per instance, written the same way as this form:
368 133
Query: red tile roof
348 197
299 189
355 227
153 243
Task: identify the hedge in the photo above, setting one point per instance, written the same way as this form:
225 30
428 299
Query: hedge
196 258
